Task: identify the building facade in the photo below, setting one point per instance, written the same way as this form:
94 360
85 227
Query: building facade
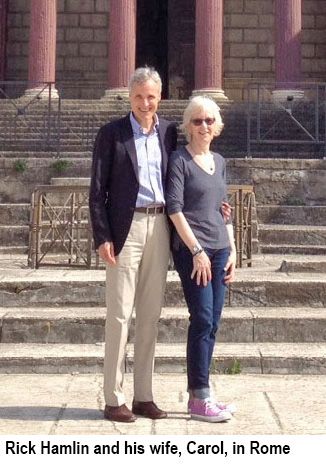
215 46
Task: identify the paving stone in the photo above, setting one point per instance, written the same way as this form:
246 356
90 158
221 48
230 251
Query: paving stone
73 404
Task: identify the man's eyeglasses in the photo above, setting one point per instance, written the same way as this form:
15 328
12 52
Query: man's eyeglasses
198 122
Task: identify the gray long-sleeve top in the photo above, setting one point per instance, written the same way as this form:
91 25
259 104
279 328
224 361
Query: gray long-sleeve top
198 195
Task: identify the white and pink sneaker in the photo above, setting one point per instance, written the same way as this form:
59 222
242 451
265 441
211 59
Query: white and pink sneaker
231 408
206 410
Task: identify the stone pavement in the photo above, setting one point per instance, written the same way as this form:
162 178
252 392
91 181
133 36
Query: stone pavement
73 403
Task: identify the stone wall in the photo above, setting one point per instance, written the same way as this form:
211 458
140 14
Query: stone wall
276 181
248 42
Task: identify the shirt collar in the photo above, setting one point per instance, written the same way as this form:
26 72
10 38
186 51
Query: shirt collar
138 129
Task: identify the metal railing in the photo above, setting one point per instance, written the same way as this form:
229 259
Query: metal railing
60 230
61 235
241 198
293 114
31 121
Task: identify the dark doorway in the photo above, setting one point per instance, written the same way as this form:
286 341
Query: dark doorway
152 38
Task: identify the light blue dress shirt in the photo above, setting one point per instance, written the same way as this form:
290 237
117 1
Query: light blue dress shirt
149 159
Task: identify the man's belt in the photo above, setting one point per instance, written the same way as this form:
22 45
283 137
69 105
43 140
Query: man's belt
151 210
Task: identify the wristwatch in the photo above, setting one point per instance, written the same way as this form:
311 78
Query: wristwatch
196 249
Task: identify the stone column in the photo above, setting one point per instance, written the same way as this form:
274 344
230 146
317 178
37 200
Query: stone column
3 37
42 47
287 47
122 47
209 49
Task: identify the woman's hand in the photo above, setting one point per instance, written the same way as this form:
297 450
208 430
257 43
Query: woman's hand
201 267
226 211
230 268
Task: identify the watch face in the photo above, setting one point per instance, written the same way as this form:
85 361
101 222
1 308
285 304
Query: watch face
195 249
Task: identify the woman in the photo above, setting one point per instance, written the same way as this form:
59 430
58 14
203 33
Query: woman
202 245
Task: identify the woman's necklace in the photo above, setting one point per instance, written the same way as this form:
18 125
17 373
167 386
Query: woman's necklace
205 160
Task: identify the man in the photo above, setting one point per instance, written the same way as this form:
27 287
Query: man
131 234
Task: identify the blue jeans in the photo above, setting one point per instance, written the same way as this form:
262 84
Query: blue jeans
205 306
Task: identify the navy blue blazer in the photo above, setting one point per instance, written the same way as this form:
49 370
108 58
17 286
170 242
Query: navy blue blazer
115 183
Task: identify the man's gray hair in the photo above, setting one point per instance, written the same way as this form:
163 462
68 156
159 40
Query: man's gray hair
144 74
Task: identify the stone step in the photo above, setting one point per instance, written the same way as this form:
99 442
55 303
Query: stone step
292 249
30 156
76 287
300 266
18 214
291 234
233 358
17 234
298 215
14 213
13 250
86 325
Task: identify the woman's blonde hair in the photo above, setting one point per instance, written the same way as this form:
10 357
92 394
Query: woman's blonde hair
201 103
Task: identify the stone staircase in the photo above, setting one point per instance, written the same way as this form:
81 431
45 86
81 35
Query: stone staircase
53 320
292 229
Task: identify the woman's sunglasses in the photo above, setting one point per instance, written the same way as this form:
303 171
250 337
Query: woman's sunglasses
198 122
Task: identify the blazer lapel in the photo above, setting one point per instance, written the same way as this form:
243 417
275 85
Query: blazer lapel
161 134
129 143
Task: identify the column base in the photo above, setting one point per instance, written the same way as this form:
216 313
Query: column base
287 96
41 92
118 94
217 95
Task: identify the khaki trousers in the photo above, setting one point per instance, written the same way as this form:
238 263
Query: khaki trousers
138 280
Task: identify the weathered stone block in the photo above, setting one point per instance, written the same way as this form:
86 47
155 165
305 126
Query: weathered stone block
233 6
313 36
308 21
17 63
255 64
18 34
233 64
243 50
100 35
308 51
320 21
70 20
80 6
259 6
259 35
244 21
314 6
314 65
19 5
233 35
102 6
93 49
14 49
67 49
79 34
95 20
79 64
266 21
321 51
15 20
266 50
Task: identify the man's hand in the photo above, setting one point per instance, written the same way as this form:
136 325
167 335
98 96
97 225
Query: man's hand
226 210
106 252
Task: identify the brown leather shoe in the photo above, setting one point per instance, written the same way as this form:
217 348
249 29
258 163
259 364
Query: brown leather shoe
148 409
119 414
